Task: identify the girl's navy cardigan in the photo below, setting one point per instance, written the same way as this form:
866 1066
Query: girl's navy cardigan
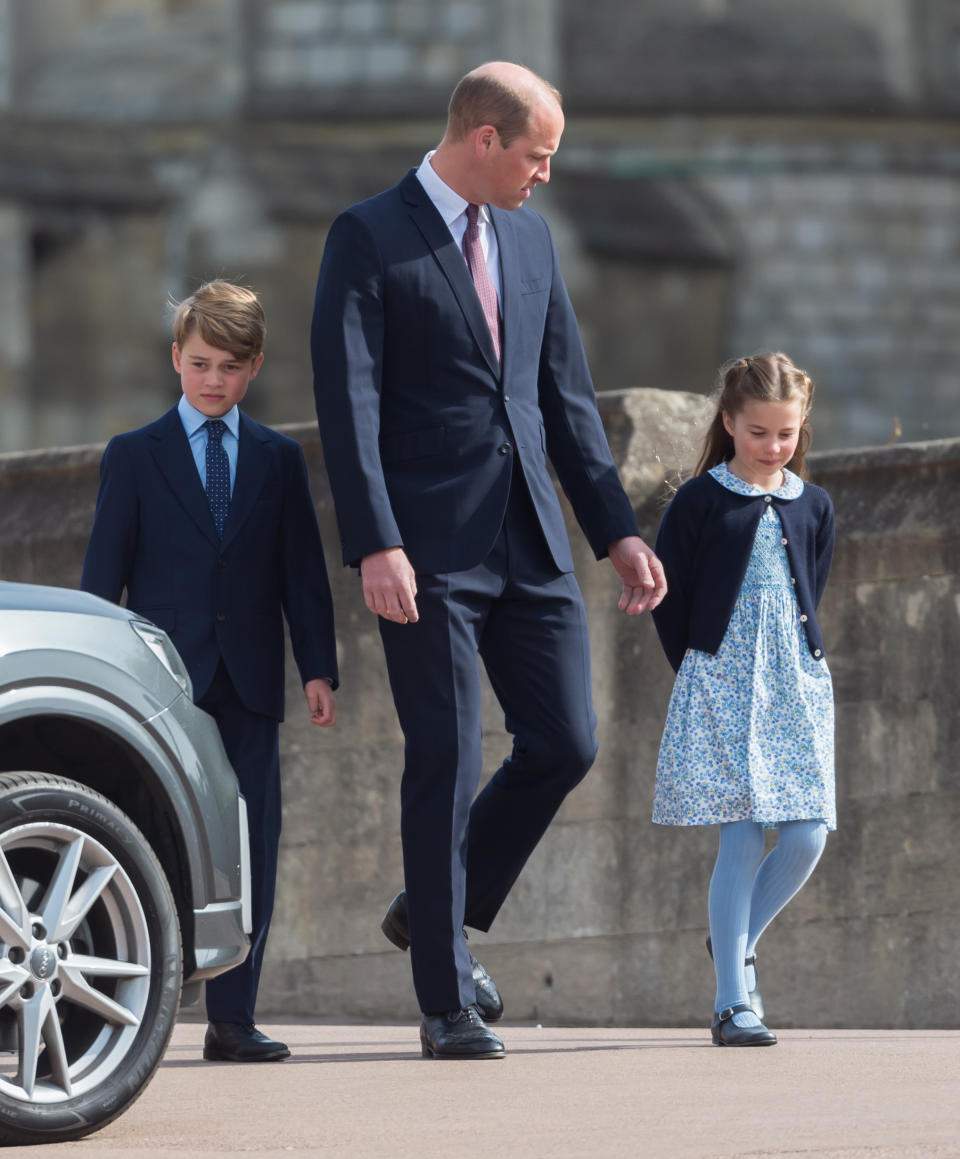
704 543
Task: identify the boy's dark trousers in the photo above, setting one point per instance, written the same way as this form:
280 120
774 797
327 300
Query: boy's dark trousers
251 743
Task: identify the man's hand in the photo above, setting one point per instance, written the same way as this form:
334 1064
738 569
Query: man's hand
644 584
389 585
321 702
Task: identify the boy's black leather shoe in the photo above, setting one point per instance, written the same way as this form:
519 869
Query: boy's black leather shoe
726 1032
236 1042
396 929
458 1034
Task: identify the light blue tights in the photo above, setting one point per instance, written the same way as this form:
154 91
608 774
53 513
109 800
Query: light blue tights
748 890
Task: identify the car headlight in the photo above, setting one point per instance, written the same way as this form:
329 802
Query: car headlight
159 644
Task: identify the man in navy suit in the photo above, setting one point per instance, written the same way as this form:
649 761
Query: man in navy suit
447 368
205 518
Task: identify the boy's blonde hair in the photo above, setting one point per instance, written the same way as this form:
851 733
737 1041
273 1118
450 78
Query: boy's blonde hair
226 316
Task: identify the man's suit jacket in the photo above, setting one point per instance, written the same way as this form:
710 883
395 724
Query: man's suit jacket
420 424
154 536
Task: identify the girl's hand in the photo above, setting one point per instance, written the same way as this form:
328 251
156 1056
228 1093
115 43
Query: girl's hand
644 584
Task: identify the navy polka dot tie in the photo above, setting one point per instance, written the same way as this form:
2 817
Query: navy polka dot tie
218 474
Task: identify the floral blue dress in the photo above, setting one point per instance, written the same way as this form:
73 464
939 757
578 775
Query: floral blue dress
749 732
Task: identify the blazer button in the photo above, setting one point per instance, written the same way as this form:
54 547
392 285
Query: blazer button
504 449
221 616
817 653
803 619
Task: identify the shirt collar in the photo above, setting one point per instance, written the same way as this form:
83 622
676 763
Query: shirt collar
193 420
449 203
790 488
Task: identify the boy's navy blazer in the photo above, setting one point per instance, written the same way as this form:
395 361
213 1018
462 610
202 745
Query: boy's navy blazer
420 424
154 536
704 543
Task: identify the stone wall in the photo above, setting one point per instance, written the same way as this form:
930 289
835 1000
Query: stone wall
865 55
846 271
834 241
735 174
606 924
156 60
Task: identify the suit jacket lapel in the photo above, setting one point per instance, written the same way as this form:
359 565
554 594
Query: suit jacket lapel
253 458
451 261
171 451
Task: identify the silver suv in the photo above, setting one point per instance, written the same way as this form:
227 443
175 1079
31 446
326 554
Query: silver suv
123 858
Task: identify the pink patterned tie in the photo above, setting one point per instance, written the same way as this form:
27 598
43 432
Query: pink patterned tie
473 252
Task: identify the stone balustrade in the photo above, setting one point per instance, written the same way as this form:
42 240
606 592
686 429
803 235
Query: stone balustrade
606 924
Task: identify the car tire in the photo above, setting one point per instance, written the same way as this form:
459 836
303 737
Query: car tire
90 960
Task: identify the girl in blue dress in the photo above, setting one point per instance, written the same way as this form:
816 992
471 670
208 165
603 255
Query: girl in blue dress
748 743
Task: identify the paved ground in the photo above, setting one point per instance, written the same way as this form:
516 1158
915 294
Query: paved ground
364 1091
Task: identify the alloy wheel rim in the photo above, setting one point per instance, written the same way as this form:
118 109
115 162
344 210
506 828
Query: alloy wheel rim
74 962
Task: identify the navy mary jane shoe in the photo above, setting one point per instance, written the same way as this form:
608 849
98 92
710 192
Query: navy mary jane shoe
725 1031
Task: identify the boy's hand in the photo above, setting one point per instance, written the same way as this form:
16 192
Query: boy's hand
321 702
641 574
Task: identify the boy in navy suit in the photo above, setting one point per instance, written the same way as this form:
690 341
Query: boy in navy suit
205 518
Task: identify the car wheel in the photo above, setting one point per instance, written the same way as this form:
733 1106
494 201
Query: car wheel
90 962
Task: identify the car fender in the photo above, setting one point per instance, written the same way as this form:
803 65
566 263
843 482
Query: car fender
182 787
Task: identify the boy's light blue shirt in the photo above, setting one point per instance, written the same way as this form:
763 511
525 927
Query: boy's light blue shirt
193 422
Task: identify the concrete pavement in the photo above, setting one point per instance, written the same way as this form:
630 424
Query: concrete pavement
365 1093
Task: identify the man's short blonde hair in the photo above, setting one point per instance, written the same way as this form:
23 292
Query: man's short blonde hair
482 99
226 316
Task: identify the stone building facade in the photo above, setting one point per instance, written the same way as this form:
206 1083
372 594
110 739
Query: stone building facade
736 174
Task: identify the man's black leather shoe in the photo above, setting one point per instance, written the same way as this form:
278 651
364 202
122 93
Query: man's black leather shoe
725 1031
489 1002
458 1034
237 1042
397 930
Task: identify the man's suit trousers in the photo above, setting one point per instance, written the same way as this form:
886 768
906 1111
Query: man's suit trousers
461 855
252 744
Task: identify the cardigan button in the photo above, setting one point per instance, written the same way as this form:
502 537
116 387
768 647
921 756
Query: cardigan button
793 580
767 499
803 619
784 542
817 653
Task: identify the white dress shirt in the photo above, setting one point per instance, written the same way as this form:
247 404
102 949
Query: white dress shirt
453 209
